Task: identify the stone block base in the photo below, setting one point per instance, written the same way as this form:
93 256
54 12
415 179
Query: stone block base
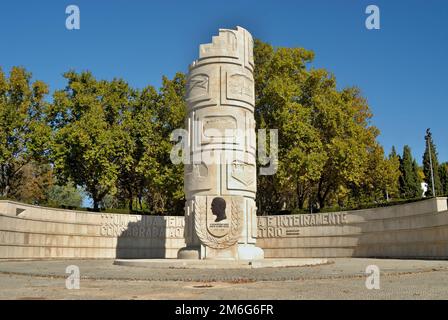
189 253
230 253
250 252
236 252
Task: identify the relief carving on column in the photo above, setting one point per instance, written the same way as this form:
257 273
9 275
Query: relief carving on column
221 180
212 232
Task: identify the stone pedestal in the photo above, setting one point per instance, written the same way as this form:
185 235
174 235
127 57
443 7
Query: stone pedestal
220 180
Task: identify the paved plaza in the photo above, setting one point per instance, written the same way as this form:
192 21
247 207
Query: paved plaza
338 279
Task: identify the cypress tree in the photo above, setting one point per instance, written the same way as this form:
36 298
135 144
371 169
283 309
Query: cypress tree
443 173
418 179
427 166
410 186
393 153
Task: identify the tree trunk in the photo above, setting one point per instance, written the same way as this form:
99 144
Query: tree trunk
5 180
131 198
322 195
96 203
96 200
5 191
300 195
140 201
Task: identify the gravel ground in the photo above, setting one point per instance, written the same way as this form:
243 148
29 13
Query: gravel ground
341 279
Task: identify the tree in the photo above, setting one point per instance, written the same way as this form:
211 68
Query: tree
279 82
89 145
349 139
31 184
140 123
393 153
418 173
165 179
443 174
150 176
409 182
382 176
392 174
430 157
23 133
325 138
65 196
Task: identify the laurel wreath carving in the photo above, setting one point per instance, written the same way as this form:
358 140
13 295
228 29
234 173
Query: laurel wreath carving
211 241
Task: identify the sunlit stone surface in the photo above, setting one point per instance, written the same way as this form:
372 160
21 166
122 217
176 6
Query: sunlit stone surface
220 180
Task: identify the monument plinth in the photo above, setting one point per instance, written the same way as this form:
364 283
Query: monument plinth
220 178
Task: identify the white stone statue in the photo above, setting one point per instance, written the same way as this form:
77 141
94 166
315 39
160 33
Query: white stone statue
220 180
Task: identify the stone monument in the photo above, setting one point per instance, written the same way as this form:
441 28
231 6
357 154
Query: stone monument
220 176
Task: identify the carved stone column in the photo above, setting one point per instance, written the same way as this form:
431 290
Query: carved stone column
220 181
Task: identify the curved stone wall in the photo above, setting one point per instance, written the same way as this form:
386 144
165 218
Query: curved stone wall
31 232
413 230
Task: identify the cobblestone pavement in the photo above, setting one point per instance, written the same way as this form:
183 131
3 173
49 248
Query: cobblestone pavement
341 279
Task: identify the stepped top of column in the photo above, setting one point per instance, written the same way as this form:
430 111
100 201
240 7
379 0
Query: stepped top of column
229 46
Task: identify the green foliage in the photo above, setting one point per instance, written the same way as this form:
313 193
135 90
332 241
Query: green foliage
139 123
23 133
89 147
113 141
391 174
166 179
410 184
327 148
443 174
435 166
31 183
66 196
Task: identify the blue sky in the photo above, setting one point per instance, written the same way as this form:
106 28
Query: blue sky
401 69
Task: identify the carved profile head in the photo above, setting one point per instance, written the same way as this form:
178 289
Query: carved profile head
219 209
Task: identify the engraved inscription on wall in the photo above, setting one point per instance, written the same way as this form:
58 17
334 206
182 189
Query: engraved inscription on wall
115 225
289 226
